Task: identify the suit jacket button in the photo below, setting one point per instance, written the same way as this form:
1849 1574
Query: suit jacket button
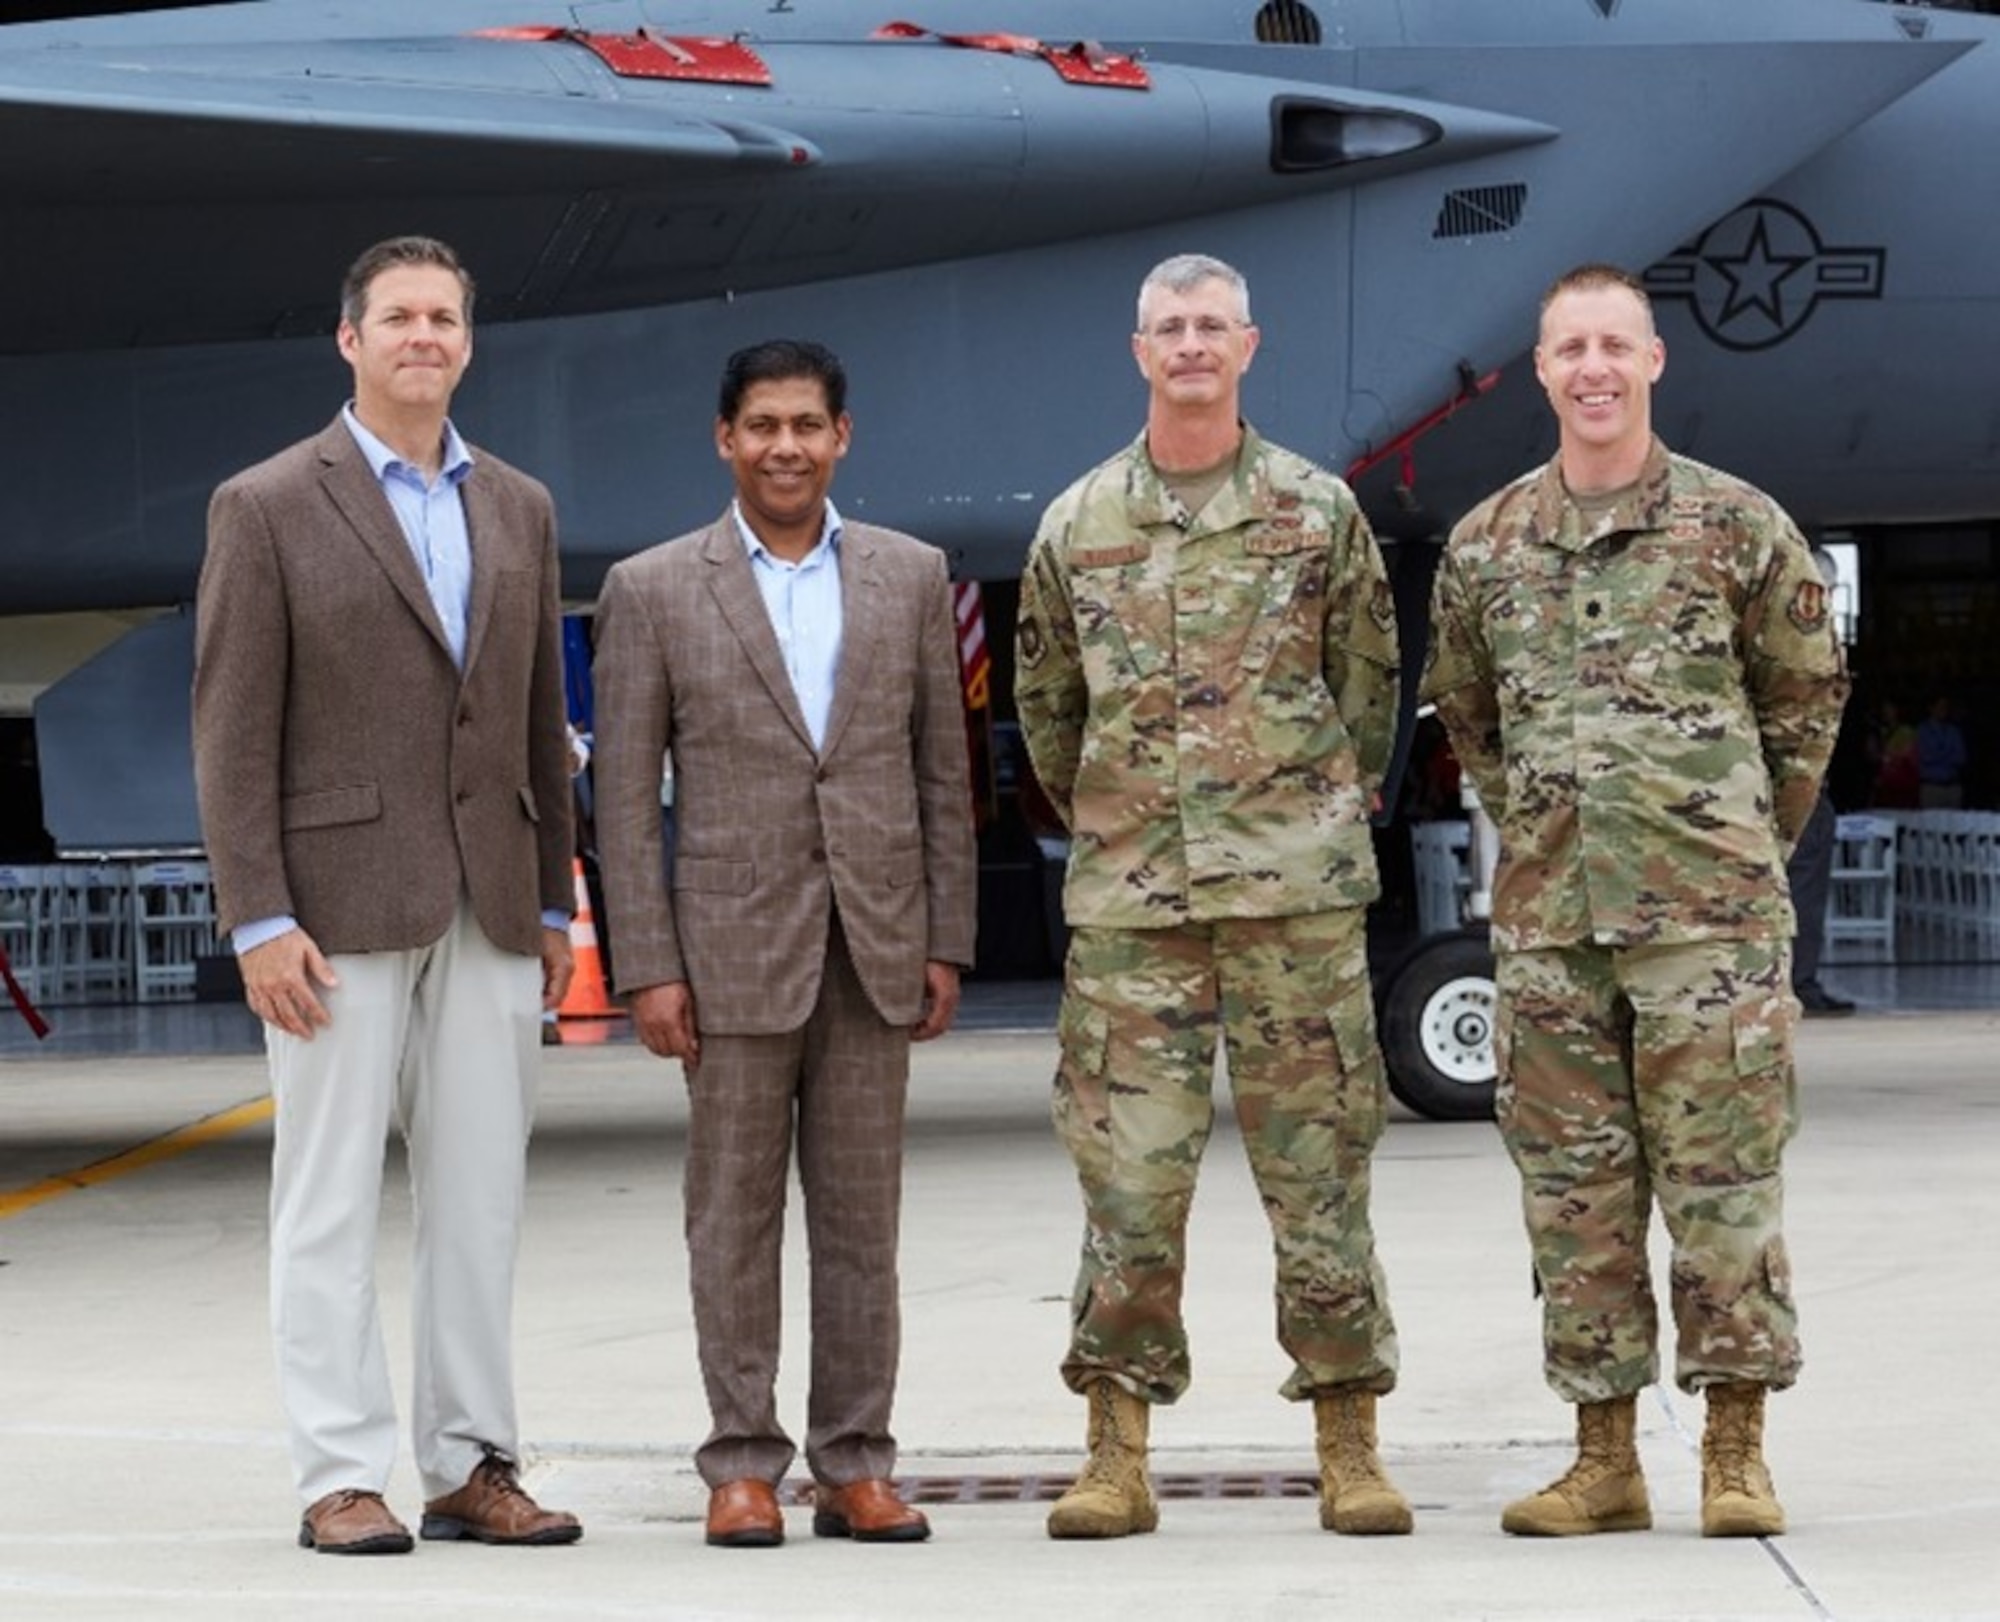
818 855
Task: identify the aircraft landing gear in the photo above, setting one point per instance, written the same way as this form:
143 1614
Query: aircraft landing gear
1436 1022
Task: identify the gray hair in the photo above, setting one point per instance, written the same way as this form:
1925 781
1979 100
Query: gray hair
1185 272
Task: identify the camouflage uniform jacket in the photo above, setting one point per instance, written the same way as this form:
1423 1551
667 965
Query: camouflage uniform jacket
1209 699
1647 709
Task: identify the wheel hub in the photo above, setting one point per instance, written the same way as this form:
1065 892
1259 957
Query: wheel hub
1456 1029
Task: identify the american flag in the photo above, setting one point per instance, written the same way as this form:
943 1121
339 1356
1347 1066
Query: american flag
975 663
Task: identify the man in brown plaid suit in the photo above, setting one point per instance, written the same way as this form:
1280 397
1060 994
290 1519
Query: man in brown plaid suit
802 673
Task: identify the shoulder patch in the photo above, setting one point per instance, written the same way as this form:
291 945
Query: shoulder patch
1028 638
1809 606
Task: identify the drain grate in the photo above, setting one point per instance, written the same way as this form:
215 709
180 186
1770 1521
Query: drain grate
1031 1489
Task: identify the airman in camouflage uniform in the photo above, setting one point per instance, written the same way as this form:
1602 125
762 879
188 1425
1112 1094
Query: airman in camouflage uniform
1207 684
1633 656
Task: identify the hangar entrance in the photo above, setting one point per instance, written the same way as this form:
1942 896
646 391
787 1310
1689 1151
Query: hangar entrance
1929 632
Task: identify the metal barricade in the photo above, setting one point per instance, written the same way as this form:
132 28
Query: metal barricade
1861 900
24 926
1949 879
173 926
88 945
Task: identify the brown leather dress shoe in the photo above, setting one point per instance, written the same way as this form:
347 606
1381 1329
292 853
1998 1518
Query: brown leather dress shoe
493 1507
868 1512
353 1522
745 1515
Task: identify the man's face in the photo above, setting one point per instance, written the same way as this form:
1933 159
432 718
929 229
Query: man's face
1599 358
413 343
782 446
1194 347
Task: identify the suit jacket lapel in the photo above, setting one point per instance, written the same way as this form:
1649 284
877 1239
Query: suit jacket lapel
482 529
860 629
352 485
742 606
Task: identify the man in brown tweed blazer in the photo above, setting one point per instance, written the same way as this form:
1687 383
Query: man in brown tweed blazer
803 674
383 774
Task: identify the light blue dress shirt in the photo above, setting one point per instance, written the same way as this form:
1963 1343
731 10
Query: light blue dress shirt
803 601
433 519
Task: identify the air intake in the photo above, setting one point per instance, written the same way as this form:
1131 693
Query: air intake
1309 135
1480 211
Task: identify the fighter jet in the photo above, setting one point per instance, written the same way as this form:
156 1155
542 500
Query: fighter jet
964 214
961 199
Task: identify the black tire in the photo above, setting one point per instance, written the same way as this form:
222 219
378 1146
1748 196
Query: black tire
1436 1018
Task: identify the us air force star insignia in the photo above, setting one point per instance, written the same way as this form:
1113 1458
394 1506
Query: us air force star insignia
1755 277
1808 610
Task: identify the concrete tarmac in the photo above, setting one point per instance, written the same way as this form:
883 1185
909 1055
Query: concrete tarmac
143 1472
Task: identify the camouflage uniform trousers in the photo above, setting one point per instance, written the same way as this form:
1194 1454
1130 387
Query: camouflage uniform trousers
1630 1074
1133 1103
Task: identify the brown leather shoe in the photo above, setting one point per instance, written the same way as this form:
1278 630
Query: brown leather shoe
745 1515
493 1507
868 1512
353 1522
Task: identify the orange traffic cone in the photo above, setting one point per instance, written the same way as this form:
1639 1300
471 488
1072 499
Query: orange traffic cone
588 997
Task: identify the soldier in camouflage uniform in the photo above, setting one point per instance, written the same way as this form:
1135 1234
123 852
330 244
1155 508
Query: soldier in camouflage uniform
1207 684
1634 659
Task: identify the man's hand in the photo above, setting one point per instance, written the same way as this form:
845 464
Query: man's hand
940 1001
280 979
558 965
664 1017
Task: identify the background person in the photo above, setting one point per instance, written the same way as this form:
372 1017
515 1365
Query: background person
1941 758
1809 877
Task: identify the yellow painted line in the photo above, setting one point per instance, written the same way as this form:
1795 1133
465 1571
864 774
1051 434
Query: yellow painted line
178 1142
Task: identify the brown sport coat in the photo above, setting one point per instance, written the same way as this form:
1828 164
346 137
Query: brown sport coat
769 833
348 773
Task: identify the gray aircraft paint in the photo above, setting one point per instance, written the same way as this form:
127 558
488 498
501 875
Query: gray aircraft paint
969 231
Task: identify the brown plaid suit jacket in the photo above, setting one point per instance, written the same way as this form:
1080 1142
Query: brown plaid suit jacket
770 833
348 773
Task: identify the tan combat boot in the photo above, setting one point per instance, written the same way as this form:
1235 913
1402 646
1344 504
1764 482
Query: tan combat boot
1603 1491
1355 1496
1737 1499
1112 1498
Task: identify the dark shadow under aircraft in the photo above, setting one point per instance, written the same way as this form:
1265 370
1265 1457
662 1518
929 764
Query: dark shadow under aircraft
960 198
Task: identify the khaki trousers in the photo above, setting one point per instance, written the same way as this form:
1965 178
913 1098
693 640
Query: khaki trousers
444 1040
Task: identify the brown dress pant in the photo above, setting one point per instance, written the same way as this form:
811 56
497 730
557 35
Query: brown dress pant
839 1083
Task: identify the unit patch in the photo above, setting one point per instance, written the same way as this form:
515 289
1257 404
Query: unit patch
1809 605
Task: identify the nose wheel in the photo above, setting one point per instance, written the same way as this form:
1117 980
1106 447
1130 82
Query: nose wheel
1436 1019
